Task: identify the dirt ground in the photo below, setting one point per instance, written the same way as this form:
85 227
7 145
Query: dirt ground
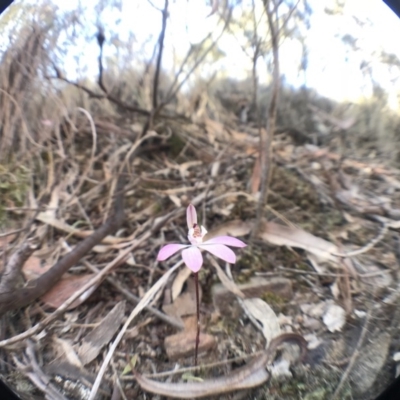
92 186
324 265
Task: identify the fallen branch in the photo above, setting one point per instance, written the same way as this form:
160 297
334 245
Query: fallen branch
12 298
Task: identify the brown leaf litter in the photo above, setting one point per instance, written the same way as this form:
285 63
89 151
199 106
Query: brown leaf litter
324 265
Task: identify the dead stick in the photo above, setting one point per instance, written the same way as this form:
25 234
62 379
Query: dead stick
17 298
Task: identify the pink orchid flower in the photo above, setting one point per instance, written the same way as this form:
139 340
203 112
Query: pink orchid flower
191 253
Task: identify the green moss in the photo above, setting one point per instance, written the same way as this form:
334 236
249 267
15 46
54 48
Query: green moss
176 144
303 266
251 260
14 184
245 276
273 300
318 394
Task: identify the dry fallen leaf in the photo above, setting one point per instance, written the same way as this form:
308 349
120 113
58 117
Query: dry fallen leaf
149 295
6 239
66 287
251 375
65 350
229 284
179 281
102 334
232 228
182 344
185 303
50 220
256 177
33 268
264 314
281 369
281 235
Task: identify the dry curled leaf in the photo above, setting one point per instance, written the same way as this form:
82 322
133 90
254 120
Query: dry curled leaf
182 344
185 303
179 281
281 235
232 228
229 284
264 314
251 375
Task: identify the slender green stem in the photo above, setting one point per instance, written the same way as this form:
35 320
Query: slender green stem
196 281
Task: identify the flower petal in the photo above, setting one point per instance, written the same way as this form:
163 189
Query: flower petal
169 250
193 258
191 216
221 251
227 240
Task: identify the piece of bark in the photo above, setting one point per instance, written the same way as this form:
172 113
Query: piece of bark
185 303
102 334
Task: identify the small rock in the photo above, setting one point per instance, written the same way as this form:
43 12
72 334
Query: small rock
370 362
334 318
285 320
360 314
313 310
313 341
281 369
396 356
312 324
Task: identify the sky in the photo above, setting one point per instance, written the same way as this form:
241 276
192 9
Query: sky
333 68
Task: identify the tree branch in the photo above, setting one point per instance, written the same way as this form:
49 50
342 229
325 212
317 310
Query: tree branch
12 298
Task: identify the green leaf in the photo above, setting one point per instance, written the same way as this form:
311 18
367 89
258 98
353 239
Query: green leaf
128 368
187 376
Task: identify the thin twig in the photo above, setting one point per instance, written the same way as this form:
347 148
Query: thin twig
118 387
204 366
368 246
15 231
89 166
41 325
195 66
11 300
12 270
160 53
266 137
354 357
143 303
107 96
134 299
